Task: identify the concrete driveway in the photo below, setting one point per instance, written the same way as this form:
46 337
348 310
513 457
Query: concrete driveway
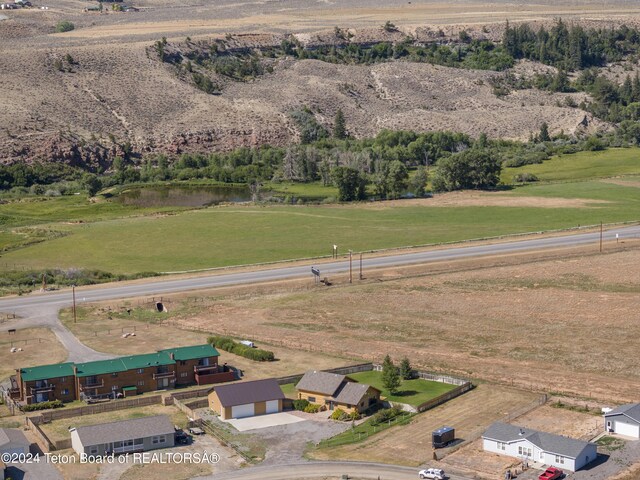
264 421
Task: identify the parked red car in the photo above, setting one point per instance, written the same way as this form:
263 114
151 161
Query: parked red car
551 473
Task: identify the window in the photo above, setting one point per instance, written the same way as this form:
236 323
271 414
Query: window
560 459
114 388
63 379
524 451
158 439
114 374
183 363
141 383
141 370
65 391
184 374
502 445
138 441
311 399
93 450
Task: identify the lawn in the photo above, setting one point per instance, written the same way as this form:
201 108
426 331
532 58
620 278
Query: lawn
414 392
225 236
582 166
73 232
289 390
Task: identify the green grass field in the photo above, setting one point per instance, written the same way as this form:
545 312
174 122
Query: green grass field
414 392
75 233
582 166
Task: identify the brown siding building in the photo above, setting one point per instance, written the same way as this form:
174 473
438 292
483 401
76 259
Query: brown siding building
122 376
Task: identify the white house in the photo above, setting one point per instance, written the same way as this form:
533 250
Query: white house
546 448
624 420
13 440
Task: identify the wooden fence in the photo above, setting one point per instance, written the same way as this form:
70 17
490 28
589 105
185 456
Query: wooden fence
51 415
434 377
360 367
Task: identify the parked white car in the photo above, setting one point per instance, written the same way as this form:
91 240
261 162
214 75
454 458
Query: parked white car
432 474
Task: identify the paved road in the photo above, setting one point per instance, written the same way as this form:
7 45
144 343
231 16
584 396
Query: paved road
322 470
158 286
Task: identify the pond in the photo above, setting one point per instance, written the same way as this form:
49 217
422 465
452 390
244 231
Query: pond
179 196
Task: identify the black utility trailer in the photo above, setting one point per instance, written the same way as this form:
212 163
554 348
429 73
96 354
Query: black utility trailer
442 437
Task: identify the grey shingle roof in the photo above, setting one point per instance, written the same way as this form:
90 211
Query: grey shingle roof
549 442
13 436
631 410
320 382
125 430
351 393
249 392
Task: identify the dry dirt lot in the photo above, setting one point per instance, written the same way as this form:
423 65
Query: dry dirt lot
546 418
510 323
410 445
39 346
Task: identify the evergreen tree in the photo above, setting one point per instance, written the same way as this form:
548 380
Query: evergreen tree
406 372
339 126
544 133
390 376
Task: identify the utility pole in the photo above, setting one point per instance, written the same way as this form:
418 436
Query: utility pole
73 290
600 237
360 266
350 267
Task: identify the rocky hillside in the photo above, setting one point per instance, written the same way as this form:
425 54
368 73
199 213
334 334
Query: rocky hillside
84 102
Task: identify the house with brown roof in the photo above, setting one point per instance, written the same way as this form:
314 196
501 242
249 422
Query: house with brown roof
246 399
337 391
125 436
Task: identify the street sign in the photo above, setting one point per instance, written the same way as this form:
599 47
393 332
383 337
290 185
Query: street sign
315 271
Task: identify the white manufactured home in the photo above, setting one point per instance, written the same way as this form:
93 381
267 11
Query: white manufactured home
534 446
125 436
624 420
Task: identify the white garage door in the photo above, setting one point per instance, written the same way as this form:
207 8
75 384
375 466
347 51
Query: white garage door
272 406
241 411
628 430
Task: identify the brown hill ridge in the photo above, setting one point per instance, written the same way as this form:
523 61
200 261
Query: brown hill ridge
120 93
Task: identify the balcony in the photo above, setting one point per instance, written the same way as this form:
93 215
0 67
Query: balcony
205 369
159 375
45 388
92 384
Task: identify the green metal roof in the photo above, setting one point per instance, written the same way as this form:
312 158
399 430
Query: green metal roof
147 360
100 367
192 352
44 372
121 364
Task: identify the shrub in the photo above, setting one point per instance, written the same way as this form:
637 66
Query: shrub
354 416
525 177
339 414
300 405
229 345
43 406
64 26
385 415
312 408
